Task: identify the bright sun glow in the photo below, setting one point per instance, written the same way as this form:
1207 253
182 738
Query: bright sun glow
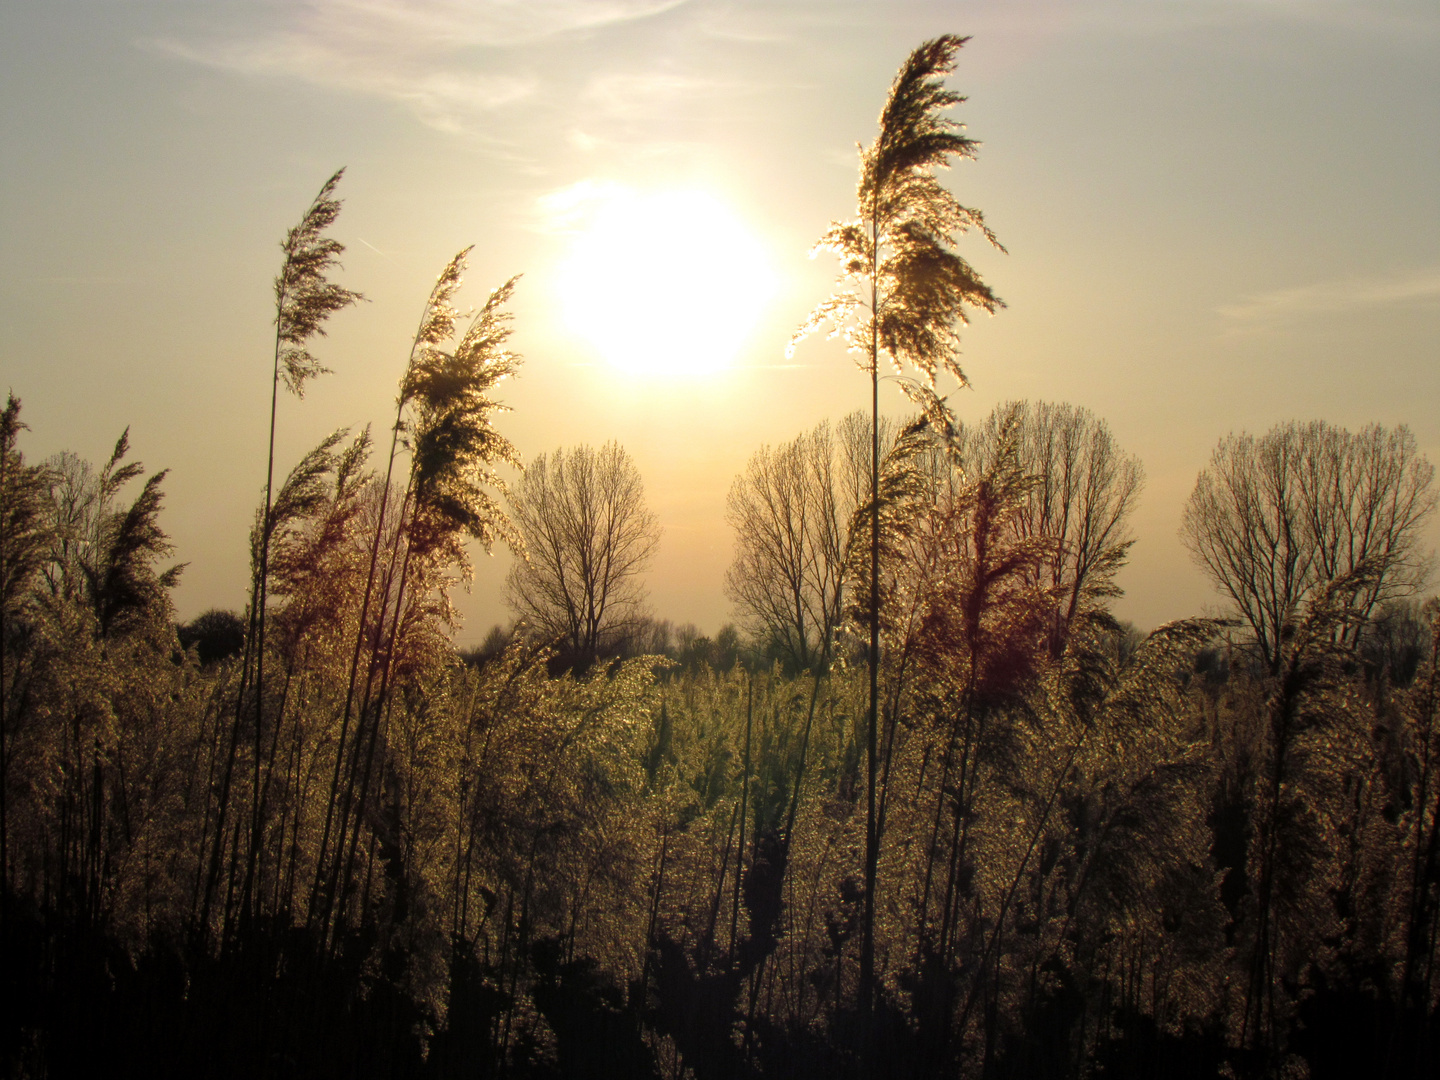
666 283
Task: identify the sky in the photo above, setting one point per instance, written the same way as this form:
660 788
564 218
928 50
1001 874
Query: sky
1220 215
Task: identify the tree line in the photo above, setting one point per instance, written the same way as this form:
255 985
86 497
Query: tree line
929 809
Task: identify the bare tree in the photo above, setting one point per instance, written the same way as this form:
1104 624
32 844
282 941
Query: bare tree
791 510
102 555
1278 521
1084 489
588 537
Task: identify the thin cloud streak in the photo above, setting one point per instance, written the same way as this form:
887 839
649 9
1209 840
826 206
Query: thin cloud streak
410 52
766 22
1279 307
407 25
1128 16
633 96
84 280
564 212
443 98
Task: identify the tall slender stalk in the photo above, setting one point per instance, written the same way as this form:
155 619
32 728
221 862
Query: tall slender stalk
443 411
437 324
304 300
24 533
9 428
744 805
872 660
904 292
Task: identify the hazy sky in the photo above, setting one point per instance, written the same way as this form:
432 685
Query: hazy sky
1219 215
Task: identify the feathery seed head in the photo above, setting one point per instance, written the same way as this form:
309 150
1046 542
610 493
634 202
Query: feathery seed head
304 296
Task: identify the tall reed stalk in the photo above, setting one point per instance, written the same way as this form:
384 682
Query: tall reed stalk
442 418
904 291
305 299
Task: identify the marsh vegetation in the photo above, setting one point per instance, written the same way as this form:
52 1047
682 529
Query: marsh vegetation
928 808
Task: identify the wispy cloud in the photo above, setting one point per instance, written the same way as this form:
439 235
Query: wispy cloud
1410 17
1274 309
652 114
629 96
442 96
564 212
418 52
766 21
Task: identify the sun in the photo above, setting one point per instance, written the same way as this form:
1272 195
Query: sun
663 284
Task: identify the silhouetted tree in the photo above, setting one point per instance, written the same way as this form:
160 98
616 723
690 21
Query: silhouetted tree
1308 531
216 635
1276 521
588 538
1084 490
1397 641
497 639
101 556
790 510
